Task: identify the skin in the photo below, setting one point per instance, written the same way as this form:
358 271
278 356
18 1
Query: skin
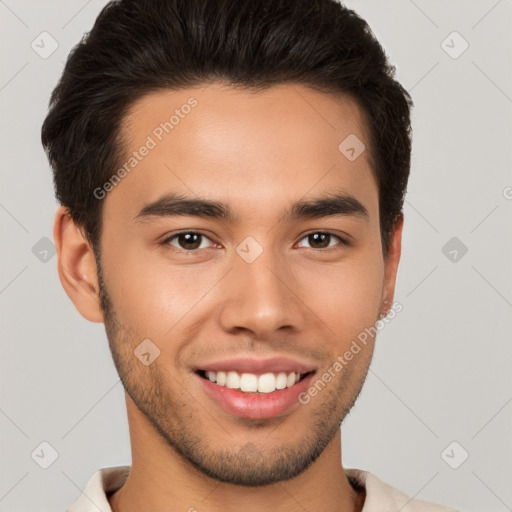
259 153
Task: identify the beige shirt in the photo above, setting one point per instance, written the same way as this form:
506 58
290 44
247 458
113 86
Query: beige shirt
380 497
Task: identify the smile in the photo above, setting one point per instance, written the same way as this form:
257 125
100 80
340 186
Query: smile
256 396
253 383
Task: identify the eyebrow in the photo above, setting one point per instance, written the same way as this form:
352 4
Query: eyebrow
173 204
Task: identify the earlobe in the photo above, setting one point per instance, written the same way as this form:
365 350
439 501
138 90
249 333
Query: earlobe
77 266
391 264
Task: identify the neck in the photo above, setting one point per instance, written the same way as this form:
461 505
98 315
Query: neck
160 479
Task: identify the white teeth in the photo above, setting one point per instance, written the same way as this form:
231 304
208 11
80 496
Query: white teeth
281 380
248 382
251 383
233 380
266 383
221 378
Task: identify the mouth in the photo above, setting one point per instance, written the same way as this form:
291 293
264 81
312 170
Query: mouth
254 383
262 383
255 396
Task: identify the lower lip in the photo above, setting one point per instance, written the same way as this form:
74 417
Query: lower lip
256 405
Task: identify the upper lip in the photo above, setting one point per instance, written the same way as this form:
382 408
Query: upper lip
258 366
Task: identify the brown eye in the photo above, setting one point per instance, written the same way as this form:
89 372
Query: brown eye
188 241
321 240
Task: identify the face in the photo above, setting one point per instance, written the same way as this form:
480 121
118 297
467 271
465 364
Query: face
251 275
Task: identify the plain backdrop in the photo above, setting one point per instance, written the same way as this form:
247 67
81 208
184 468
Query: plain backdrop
435 416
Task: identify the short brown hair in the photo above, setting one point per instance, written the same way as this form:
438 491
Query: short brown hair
140 46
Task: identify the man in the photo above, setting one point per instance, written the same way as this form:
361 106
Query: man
232 176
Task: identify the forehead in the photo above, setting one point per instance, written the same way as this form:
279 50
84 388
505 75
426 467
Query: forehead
211 109
251 148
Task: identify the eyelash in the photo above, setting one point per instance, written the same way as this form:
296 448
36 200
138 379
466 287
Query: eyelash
342 243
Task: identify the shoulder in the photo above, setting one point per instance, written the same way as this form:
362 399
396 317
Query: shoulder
103 482
381 497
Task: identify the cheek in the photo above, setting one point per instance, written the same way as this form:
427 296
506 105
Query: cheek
152 294
347 297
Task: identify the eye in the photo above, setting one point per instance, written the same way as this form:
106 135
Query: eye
192 241
320 240
188 240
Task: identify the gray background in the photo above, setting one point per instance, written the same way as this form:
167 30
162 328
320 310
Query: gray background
441 371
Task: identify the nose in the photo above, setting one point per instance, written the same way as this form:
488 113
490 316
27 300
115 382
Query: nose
262 297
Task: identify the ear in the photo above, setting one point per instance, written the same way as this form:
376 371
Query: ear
391 265
77 266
